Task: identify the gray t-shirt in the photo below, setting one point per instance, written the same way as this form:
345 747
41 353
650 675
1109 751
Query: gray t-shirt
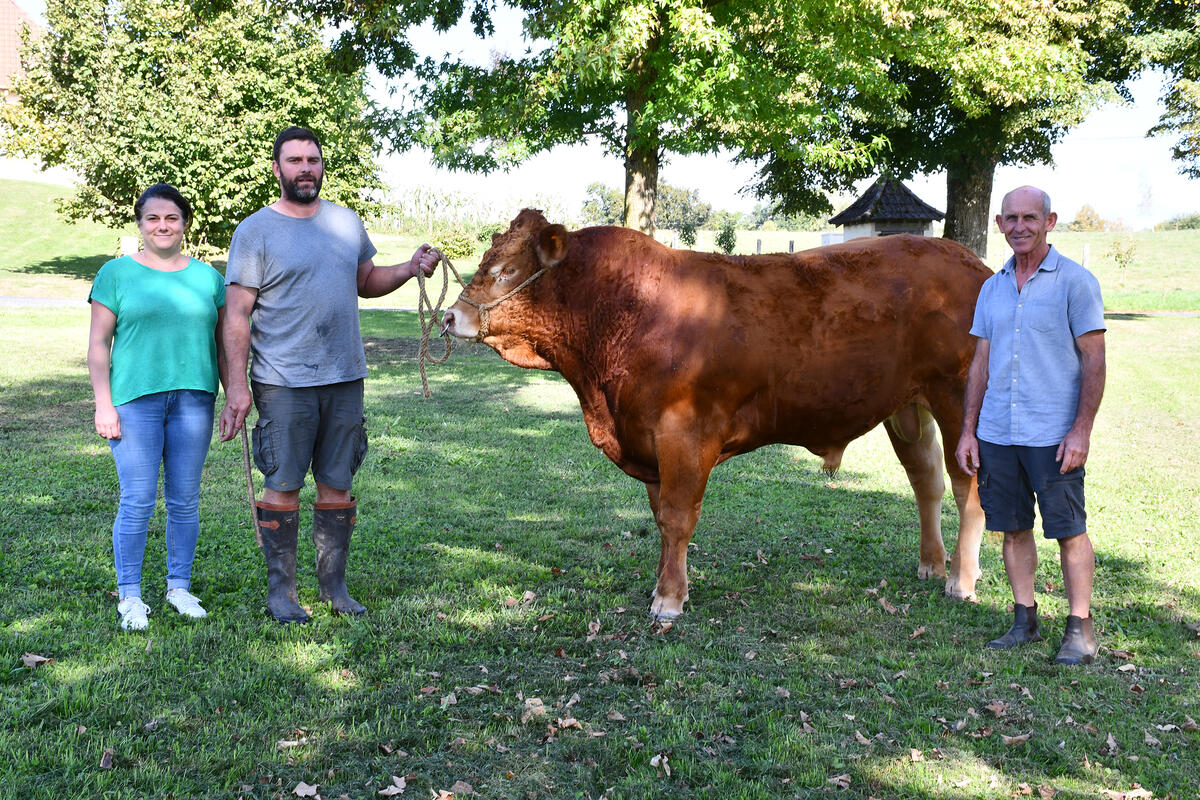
304 326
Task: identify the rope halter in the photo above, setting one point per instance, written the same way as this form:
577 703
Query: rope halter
484 308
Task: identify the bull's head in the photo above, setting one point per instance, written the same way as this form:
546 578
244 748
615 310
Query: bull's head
517 258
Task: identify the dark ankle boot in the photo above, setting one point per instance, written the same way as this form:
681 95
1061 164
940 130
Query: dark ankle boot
1079 642
1024 628
332 525
279 528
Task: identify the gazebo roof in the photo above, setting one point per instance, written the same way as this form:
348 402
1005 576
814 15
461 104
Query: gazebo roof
888 200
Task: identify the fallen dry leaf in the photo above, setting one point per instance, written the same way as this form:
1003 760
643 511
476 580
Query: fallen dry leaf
1189 725
1110 746
915 755
1022 790
33 661
1047 791
858 737
1014 740
397 787
1150 740
106 759
615 716
450 700
461 787
305 790
284 744
919 631
659 761
782 692
1127 668
886 606
569 722
533 708
840 781
997 707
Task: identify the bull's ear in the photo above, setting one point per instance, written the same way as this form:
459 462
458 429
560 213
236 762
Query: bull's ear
552 244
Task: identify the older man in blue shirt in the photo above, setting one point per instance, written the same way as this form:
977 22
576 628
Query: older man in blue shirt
1033 390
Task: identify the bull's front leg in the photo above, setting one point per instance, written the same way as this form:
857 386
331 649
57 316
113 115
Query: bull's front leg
684 464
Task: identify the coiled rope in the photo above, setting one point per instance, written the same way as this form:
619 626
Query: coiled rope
433 319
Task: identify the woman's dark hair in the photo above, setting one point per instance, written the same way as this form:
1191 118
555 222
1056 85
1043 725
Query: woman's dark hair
164 191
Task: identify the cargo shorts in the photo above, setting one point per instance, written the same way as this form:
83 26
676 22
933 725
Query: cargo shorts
318 426
1011 476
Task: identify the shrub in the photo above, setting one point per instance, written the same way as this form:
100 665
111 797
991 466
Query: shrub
488 230
1122 252
1184 222
687 235
727 238
454 242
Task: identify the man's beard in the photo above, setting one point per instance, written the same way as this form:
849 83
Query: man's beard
293 192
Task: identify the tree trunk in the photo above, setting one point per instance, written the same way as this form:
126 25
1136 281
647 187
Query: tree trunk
968 199
641 147
641 185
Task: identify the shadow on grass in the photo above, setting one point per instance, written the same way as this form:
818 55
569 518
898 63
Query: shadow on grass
82 267
467 501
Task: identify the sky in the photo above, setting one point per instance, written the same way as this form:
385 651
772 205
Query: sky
1106 162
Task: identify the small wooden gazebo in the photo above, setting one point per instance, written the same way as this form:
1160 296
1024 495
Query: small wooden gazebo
887 207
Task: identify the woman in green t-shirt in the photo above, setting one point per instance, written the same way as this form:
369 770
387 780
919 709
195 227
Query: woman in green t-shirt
154 359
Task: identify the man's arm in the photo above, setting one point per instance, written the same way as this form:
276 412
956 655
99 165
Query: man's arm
1073 449
967 452
376 281
235 337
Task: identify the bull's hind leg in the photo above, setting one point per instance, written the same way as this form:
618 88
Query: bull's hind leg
914 438
964 565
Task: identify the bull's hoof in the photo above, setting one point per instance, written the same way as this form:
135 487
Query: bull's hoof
664 610
934 570
958 591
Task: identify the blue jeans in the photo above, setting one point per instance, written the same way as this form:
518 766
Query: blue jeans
172 429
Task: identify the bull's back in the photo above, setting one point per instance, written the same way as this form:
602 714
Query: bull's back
817 347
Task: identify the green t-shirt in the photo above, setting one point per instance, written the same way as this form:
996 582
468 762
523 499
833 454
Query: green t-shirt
166 326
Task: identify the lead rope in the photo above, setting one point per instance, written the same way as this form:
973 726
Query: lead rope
434 317
250 485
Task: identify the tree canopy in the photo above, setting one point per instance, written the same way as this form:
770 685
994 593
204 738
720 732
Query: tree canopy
128 93
1004 83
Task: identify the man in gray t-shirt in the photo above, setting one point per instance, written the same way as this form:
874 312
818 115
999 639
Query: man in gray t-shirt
296 270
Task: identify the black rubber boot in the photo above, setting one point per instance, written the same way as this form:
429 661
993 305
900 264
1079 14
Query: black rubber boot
279 528
1024 628
332 525
1078 644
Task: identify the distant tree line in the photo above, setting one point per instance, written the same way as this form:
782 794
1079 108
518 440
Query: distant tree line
682 210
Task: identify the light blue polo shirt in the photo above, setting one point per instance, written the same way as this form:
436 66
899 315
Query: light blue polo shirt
1034 367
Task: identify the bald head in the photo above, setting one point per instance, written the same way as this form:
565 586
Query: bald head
1025 218
1030 193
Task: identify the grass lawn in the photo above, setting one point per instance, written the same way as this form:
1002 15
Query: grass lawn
507 564
41 256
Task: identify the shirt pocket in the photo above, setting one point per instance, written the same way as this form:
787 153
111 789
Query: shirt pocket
1046 317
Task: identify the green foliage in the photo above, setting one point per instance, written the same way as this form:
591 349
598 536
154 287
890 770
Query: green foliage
487 231
1169 38
727 237
688 236
1183 222
136 92
1088 219
602 206
455 242
681 208
1122 253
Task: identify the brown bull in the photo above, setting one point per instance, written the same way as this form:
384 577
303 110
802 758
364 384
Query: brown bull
683 359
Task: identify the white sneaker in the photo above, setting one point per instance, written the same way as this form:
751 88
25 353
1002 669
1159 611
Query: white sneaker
186 603
133 614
